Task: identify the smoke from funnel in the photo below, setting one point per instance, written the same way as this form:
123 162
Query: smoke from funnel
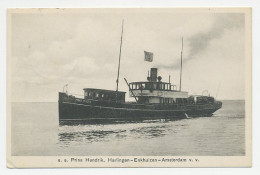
200 41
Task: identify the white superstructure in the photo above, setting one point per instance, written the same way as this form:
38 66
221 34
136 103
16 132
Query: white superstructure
156 91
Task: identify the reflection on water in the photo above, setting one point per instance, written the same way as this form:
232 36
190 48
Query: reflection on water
88 131
154 131
86 136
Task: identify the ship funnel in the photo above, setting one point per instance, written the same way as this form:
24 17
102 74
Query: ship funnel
153 74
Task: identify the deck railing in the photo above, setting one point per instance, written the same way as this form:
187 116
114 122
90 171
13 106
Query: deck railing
63 97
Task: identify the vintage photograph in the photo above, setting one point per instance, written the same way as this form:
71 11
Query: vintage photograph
136 87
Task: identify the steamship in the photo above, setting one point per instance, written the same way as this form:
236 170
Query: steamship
154 99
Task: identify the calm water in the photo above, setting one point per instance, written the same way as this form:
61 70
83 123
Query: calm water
36 132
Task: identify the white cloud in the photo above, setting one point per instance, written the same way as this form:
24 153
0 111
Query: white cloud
82 50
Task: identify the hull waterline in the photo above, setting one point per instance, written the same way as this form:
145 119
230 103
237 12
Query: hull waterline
74 111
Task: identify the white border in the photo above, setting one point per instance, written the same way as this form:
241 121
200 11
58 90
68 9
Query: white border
255 4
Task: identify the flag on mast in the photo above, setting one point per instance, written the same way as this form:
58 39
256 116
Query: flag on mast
148 56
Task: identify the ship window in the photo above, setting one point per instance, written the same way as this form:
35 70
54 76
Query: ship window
146 86
178 100
137 86
163 100
157 86
114 96
142 86
102 95
149 85
154 86
160 86
96 94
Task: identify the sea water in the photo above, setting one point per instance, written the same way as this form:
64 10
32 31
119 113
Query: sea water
36 131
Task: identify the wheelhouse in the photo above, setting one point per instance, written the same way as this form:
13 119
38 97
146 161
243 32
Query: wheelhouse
152 86
156 91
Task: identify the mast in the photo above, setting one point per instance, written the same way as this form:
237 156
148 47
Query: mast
117 80
181 61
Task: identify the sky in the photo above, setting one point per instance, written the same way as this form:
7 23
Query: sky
80 48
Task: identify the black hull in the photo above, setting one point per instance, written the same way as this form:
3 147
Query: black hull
75 111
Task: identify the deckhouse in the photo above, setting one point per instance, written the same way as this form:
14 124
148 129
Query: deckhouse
104 95
156 91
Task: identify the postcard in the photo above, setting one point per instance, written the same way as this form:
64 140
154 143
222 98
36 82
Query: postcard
129 87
